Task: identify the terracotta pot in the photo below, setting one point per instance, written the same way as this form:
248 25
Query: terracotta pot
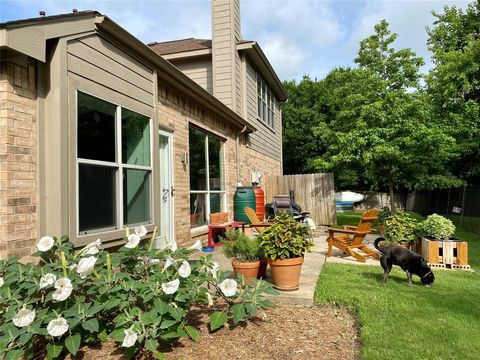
249 270
286 273
262 271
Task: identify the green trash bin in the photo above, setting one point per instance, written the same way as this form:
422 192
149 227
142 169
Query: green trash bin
244 197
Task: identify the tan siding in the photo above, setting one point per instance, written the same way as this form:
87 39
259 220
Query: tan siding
265 140
199 71
96 60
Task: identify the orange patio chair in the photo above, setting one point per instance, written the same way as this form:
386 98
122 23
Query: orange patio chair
255 221
351 239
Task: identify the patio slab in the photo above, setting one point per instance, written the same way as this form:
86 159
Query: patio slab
311 269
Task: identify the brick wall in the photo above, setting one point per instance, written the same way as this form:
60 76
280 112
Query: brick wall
18 155
176 112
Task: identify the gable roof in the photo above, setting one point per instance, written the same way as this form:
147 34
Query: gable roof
177 46
29 36
191 47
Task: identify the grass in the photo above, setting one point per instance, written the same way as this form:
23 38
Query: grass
401 322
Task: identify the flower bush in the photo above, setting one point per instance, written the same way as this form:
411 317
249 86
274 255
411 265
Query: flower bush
437 227
138 296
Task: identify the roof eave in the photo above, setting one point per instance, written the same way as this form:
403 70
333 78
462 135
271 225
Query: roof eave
170 73
254 51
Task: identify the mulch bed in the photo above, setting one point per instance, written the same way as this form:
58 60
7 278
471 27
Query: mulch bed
287 331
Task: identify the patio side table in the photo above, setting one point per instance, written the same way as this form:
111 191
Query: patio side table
216 230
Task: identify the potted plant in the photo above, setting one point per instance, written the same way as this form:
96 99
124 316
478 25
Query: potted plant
245 253
437 227
383 215
401 229
284 244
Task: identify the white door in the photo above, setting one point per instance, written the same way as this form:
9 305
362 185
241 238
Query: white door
166 188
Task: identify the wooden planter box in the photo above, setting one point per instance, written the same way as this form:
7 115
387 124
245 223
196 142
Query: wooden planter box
446 254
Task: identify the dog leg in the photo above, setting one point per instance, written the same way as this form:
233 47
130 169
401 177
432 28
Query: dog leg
387 267
409 277
385 277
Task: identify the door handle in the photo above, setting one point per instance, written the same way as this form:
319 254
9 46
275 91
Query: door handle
165 194
172 191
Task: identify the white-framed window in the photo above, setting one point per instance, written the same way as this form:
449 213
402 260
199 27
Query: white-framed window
265 102
207 180
114 166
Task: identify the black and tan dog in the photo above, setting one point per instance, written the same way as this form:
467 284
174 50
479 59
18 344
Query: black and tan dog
409 261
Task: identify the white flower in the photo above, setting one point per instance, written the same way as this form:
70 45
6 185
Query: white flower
63 288
47 280
93 248
148 260
57 327
130 338
228 287
141 231
1 281
170 287
184 270
154 261
133 241
169 262
172 245
86 266
45 243
73 267
210 299
214 269
196 246
24 317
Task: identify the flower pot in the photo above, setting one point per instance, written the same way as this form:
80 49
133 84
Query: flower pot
262 271
249 270
286 273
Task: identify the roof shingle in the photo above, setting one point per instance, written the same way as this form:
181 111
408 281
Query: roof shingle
177 46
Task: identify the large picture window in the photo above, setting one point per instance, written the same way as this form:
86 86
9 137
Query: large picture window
114 166
265 102
207 190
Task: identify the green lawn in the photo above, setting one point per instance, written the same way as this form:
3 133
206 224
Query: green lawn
401 322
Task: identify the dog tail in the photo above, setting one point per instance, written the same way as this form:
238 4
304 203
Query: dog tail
376 242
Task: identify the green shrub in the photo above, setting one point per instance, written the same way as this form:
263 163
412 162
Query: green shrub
239 246
383 215
285 239
438 227
400 228
138 296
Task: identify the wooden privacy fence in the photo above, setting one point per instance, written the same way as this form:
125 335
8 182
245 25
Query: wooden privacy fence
313 192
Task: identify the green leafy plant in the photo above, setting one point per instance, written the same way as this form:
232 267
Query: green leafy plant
138 296
437 227
401 228
383 215
285 239
239 246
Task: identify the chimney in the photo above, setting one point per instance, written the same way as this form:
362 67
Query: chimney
226 62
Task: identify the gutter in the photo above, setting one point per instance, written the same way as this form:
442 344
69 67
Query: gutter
170 73
238 152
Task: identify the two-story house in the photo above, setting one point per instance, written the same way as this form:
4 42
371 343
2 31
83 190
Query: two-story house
100 131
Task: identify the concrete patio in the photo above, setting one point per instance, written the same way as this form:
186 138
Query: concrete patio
311 269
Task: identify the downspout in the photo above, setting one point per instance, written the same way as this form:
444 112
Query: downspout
238 152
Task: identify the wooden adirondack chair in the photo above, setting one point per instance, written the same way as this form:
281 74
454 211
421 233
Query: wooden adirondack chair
255 221
351 240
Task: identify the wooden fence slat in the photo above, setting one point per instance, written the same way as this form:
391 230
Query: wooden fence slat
313 192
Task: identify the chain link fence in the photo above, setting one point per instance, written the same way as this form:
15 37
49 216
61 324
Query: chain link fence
461 205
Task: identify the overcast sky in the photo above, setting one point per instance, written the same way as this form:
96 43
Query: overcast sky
298 36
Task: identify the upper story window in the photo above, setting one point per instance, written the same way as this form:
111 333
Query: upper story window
114 166
207 188
265 102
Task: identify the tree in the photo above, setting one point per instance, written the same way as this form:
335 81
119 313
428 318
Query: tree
381 131
454 82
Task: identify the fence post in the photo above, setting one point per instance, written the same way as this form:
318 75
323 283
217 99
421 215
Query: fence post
463 203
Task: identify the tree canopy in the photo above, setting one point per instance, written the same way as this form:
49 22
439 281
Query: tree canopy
376 127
